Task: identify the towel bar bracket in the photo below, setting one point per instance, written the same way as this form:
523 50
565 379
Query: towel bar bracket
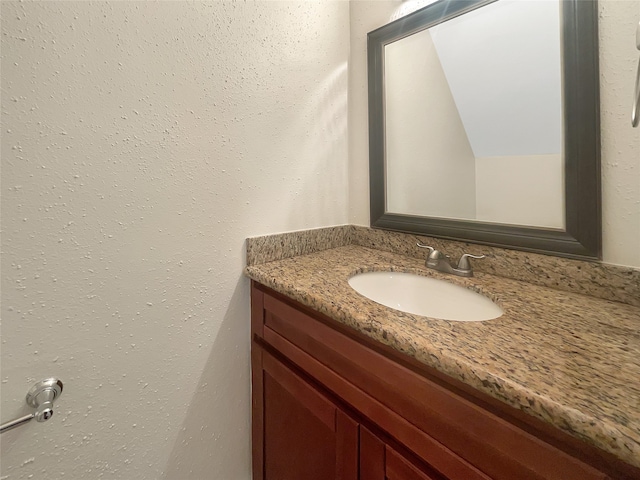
41 397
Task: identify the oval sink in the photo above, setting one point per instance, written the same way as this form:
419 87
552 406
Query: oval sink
425 296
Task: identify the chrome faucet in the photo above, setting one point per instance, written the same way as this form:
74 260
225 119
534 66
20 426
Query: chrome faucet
442 263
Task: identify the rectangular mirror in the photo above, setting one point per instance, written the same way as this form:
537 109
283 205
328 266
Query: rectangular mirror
484 124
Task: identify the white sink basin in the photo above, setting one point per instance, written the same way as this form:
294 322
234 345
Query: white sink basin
425 296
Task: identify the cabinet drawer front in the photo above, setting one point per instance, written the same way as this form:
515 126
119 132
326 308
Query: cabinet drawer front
435 454
490 443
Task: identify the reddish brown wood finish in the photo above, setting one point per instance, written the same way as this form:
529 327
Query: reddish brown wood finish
493 445
437 455
398 468
257 386
440 424
372 454
348 443
305 435
379 461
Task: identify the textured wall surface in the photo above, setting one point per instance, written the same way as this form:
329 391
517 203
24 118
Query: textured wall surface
142 142
620 142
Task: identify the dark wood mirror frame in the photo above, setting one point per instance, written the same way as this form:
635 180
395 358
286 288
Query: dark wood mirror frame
582 235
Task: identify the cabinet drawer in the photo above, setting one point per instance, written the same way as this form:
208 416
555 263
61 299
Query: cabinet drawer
486 441
433 453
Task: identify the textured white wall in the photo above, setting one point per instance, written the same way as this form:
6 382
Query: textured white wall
620 143
365 15
141 143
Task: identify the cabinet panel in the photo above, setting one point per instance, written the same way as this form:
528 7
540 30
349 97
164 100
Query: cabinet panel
305 436
371 456
379 461
399 468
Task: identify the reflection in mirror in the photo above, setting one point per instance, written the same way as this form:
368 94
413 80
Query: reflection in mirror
474 128
484 124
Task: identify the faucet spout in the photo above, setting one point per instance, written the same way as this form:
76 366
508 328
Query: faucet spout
439 261
442 263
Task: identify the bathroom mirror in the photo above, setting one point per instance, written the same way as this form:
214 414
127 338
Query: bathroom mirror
484 124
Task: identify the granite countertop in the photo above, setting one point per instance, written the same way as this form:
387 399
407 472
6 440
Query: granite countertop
568 359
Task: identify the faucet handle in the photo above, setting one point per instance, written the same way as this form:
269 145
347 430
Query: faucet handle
433 253
431 249
464 264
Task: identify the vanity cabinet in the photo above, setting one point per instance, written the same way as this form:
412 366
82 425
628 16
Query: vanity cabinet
329 402
306 436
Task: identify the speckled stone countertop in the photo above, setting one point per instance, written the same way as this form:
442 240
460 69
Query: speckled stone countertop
568 359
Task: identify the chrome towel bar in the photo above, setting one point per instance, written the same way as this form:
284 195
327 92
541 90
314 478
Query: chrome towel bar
41 397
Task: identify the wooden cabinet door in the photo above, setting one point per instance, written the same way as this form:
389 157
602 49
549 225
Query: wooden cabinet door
379 461
304 435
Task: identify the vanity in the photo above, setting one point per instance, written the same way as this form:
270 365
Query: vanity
344 387
463 147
